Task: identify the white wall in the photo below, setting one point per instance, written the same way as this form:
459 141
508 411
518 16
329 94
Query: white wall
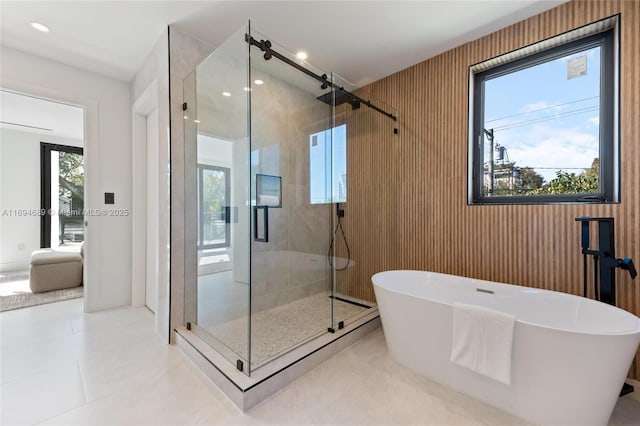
20 189
107 155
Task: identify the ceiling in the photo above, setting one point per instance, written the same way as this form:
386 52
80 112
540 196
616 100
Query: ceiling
362 41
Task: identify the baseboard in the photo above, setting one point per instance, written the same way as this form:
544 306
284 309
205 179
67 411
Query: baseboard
8 267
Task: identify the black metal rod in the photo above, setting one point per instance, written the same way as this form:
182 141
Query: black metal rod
265 46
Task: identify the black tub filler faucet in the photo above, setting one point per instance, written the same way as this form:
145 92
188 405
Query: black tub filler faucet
604 259
604 265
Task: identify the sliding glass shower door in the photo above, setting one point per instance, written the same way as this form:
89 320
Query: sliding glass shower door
266 161
291 122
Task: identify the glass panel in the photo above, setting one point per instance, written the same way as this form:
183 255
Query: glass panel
56 216
216 126
70 198
66 181
358 130
291 190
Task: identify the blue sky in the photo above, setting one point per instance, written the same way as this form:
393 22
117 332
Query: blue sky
545 120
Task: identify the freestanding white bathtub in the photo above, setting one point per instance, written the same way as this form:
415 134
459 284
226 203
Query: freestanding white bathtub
570 355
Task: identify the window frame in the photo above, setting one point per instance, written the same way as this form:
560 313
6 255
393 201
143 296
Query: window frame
607 40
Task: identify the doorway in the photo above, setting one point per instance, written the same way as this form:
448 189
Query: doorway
43 191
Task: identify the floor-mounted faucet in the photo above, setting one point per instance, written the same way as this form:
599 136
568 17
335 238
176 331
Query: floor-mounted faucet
605 261
605 264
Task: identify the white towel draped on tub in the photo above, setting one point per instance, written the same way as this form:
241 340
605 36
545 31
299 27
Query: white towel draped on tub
482 341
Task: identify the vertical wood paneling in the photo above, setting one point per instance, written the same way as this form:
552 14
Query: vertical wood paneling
407 194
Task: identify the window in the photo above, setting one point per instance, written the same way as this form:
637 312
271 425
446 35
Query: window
544 121
328 166
214 191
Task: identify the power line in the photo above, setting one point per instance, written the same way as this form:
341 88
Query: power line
559 168
548 118
547 168
542 109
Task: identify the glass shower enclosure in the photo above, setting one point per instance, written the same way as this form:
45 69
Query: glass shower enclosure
266 180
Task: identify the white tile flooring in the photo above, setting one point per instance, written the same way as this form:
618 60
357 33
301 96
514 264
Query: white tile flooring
61 366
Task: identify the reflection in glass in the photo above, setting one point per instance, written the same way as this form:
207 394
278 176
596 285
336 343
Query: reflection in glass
214 189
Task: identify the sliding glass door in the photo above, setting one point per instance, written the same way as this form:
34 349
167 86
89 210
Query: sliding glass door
62 195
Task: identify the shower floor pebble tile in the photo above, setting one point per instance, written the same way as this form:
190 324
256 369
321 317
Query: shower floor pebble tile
112 384
278 329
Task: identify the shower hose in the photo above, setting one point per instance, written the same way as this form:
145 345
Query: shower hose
346 244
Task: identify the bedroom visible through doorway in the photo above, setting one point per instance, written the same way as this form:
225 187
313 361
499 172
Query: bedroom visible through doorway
42 199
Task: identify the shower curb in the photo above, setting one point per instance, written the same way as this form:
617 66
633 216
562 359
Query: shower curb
246 392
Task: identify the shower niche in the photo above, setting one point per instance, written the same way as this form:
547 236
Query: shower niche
274 281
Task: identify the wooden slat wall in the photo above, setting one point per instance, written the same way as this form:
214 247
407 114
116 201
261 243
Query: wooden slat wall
407 194
369 222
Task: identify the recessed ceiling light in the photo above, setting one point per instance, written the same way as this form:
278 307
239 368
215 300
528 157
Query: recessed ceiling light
196 121
302 55
186 117
226 94
258 82
40 27
246 89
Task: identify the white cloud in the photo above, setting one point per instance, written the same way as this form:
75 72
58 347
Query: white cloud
594 120
550 149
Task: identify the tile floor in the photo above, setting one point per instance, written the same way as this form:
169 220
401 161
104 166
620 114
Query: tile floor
60 366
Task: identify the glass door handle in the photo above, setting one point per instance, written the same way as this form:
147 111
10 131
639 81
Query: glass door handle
263 236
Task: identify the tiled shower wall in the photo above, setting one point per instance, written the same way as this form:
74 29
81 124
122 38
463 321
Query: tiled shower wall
293 264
